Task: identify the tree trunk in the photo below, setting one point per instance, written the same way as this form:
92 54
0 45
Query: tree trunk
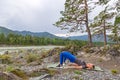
105 39
117 37
87 27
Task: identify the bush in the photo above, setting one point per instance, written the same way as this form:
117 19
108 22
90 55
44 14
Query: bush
44 54
116 47
86 49
114 71
5 59
9 68
73 48
31 57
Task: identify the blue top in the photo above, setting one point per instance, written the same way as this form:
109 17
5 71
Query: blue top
68 55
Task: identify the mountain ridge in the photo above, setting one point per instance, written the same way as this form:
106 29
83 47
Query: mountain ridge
6 31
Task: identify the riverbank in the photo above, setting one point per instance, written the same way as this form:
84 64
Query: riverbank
30 63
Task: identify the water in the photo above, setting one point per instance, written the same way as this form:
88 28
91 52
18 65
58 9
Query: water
11 49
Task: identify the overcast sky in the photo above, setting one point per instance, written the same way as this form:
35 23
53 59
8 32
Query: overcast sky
31 15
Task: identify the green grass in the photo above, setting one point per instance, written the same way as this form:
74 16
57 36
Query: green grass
9 68
78 72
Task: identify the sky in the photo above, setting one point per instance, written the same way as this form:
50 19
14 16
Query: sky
32 15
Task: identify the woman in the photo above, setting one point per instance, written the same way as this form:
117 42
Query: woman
76 63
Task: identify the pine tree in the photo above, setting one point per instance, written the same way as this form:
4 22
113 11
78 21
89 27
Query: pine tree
116 30
75 17
102 23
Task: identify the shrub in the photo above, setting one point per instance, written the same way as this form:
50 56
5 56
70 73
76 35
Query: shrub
31 57
87 50
5 59
54 51
73 48
52 72
100 60
43 54
114 71
116 47
9 68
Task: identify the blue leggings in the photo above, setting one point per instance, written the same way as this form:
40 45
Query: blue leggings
66 55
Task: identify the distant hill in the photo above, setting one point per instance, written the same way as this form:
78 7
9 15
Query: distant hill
96 38
83 37
6 31
49 35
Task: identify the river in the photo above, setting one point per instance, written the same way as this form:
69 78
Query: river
4 49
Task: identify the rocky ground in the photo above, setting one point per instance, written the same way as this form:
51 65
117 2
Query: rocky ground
31 64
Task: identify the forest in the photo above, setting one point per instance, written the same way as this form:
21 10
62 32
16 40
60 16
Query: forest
15 39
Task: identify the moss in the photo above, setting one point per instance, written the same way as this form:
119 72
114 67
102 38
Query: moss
51 72
100 60
76 78
20 74
114 71
35 74
78 72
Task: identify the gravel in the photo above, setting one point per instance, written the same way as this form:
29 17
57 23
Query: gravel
84 75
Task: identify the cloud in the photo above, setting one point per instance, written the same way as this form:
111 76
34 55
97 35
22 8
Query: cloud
34 15
31 15
71 34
